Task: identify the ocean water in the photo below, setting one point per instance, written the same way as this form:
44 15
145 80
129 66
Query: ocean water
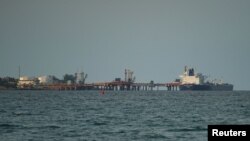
118 115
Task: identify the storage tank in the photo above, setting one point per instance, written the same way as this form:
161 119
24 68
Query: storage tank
45 79
24 78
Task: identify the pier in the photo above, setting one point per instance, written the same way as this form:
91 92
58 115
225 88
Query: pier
113 86
77 82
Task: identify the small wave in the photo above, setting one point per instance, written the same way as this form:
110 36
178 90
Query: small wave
195 129
2 111
243 106
6 125
9 126
99 123
44 127
155 136
121 131
51 126
19 113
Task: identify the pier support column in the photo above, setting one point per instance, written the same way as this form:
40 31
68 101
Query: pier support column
151 88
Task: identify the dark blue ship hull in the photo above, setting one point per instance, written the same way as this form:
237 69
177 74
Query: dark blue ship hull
206 87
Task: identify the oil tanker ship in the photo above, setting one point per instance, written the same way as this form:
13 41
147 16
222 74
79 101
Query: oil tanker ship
189 80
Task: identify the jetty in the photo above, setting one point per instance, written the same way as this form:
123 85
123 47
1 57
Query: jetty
113 86
77 82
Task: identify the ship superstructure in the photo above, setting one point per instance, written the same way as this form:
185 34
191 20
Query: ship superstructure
189 77
189 80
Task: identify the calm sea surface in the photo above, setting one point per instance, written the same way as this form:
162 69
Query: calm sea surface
127 115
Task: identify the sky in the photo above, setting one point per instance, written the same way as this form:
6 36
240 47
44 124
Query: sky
154 38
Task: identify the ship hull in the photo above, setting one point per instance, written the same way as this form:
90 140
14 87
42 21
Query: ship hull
206 87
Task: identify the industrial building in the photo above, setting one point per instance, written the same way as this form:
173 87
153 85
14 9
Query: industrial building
27 82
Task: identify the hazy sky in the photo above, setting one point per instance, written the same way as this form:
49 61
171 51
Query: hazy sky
154 38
